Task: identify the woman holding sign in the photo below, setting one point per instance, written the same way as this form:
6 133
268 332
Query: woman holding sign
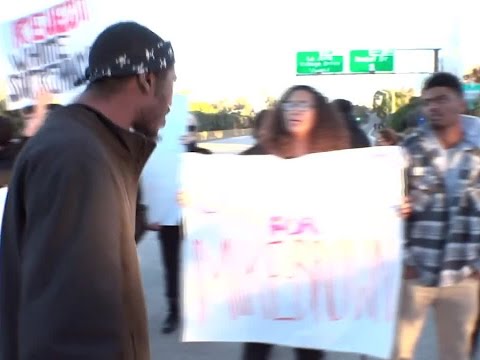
302 123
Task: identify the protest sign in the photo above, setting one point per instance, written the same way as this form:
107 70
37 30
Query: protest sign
43 51
160 177
48 49
3 199
302 252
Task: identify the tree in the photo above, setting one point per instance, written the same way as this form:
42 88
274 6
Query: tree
270 102
203 107
224 106
473 75
402 98
223 115
243 107
476 108
386 102
406 116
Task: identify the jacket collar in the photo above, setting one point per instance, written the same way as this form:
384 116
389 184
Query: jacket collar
138 146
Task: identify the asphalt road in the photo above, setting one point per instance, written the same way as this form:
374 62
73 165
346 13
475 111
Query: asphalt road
169 347
230 145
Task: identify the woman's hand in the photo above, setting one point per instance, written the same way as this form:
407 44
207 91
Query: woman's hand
405 209
182 199
36 120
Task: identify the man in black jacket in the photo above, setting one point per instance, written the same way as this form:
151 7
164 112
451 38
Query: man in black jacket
70 284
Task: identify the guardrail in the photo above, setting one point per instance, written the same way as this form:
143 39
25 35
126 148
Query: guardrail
222 134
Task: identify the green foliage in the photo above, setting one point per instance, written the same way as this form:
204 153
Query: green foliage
402 98
203 107
386 102
406 116
270 102
223 115
242 107
473 75
382 103
476 108
222 121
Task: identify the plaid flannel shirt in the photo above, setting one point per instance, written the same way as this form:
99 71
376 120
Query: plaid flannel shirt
443 233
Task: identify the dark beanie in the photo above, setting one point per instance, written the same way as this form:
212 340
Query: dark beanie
125 49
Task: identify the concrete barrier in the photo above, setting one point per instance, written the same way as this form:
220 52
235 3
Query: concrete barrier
222 134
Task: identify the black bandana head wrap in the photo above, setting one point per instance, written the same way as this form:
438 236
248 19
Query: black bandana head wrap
126 49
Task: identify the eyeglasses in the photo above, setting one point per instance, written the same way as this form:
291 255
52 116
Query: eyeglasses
296 105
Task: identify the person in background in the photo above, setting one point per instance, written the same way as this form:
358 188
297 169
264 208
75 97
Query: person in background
259 129
345 108
442 252
10 145
387 137
302 123
70 283
170 238
190 138
141 221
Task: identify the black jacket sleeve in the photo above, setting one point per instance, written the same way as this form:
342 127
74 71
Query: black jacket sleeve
71 296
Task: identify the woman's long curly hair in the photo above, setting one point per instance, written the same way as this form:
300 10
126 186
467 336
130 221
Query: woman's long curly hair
330 132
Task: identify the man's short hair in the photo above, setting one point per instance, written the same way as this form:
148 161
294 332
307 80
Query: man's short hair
446 80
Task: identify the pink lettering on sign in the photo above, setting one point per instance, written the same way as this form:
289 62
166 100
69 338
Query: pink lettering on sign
300 275
43 25
280 224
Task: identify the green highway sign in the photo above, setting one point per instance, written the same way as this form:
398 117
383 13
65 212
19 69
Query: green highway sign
319 62
366 61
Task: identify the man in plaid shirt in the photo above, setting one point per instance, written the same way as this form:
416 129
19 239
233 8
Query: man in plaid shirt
442 253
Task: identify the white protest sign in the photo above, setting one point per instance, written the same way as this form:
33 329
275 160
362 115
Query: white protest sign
3 199
48 49
160 177
303 252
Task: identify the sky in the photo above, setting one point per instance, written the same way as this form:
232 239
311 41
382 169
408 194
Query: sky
232 49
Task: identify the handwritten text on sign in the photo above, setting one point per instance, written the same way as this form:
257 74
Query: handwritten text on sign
294 252
39 53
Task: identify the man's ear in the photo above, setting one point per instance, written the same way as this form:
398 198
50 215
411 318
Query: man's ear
145 83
